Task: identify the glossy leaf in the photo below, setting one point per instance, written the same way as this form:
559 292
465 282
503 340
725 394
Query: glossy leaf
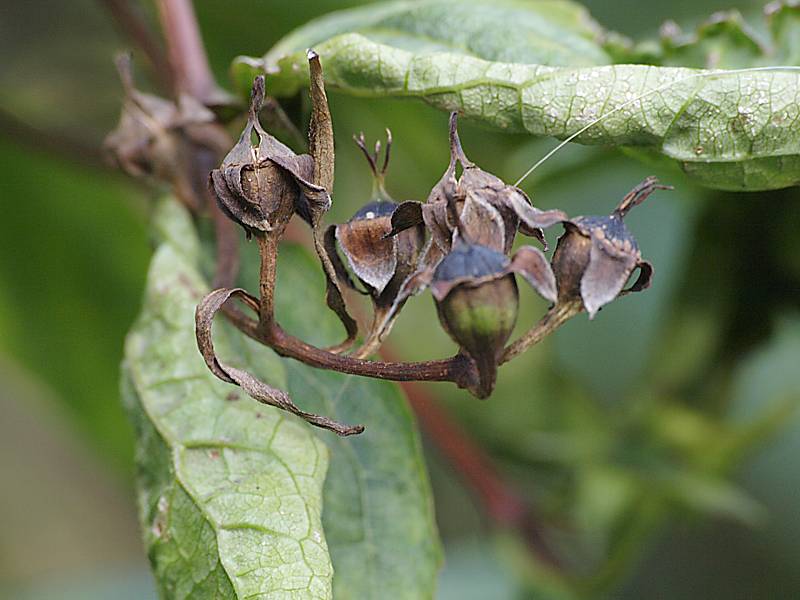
728 130
230 491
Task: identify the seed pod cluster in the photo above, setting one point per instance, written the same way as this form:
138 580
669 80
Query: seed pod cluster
471 223
460 242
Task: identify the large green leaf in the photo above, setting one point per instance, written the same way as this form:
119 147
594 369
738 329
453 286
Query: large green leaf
378 517
727 129
230 491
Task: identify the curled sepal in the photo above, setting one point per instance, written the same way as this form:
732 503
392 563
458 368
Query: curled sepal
531 220
320 130
480 223
333 296
486 209
644 279
597 255
532 265
605 275
255 388
322 172
407 214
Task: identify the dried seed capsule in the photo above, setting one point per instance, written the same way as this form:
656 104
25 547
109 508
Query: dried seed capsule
174 143
596 255
491 211
371 255
376 257
380 262
260 186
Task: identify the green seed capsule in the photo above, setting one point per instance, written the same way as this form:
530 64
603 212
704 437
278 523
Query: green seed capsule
477 301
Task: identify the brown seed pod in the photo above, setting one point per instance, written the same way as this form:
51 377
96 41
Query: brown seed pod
490 209
379 261
261 185
478 207
596 255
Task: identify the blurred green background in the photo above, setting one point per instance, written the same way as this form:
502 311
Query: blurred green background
659 437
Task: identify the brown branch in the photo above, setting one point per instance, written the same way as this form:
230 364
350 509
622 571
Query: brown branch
552 320
133 24
458 369
268 250
192 75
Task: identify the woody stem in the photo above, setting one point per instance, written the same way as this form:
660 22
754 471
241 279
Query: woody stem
187 55
552 320
458 369
268 250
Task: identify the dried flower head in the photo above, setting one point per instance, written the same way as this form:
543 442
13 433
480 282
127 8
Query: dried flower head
596 255
159 139
490 210
261 185
477 207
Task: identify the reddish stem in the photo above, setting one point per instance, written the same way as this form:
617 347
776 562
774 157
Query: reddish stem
133 24
504 505
187 55
457 369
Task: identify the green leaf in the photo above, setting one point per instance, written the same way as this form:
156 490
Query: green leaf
729 130
230 491
545 32
378 516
